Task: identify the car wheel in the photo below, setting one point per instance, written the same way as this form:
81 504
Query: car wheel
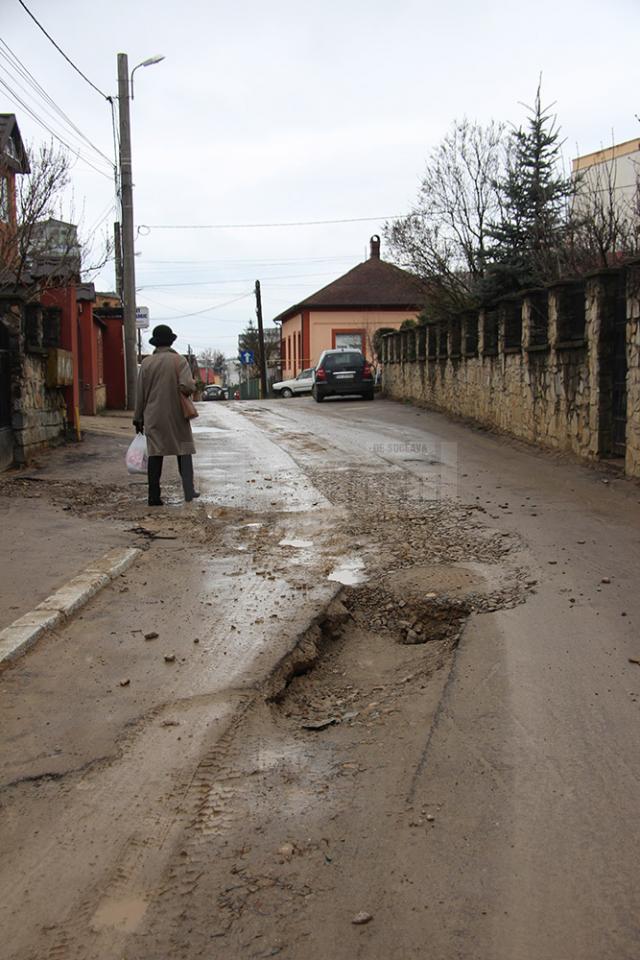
317 396
286 393
368 395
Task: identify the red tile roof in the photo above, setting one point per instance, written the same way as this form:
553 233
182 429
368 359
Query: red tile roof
372 284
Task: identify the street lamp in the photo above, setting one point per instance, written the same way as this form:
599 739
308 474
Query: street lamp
145 63
126 193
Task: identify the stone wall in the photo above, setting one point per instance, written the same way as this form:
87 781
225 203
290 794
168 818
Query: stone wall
539 368
38 415
632 465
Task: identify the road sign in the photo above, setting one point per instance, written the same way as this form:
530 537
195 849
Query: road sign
246 357
142 318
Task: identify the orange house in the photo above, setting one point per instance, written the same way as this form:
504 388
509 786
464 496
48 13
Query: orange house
347 312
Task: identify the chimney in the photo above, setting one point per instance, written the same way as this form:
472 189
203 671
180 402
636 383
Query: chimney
374 244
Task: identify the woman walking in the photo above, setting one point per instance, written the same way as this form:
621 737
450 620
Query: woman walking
159 414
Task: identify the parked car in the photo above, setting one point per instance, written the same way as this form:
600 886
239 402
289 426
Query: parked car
342 373
214 392
300 384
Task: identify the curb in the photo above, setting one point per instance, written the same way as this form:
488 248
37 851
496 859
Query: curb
23 632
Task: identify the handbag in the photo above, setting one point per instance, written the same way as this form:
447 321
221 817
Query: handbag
189 410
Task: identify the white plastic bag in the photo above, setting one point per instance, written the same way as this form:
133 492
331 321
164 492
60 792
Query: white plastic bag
136 458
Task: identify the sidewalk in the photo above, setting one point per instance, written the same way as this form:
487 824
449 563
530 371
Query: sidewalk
114 423
47 536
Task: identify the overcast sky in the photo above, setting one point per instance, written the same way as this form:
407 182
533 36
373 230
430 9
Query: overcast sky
280 111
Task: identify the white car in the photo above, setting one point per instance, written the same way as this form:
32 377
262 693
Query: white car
300 384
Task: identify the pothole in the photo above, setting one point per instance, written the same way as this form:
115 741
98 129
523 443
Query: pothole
410 619
436 578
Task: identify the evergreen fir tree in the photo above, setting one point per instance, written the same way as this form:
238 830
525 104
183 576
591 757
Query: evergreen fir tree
527 248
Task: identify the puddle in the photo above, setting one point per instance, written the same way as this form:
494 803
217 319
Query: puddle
349 572
122 915
299 544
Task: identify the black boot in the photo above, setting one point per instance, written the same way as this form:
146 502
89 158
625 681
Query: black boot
154 472
185 466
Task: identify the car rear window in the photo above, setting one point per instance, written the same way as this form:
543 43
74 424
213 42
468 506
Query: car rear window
342 361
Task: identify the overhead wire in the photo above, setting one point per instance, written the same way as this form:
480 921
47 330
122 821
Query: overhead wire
207 283
74 150
25 74
61 51
253 226
197 313
258 262
101 219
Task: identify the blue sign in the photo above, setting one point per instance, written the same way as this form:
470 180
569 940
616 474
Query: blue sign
246 357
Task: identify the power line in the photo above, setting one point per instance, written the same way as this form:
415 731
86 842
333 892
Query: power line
74 150
198 313
101 219
16 64
252 226
50 38
207 283
257 262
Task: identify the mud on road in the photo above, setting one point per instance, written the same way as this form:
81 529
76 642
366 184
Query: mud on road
312 807
315 811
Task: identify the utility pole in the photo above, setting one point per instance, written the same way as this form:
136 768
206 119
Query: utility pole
128 262
117 250
263 355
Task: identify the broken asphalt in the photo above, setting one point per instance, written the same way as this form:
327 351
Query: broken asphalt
463 751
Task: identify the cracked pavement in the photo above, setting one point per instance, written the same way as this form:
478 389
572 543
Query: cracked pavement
511 721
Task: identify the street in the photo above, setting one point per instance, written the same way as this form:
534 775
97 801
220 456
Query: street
374 695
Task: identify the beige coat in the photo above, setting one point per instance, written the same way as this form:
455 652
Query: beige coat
158 403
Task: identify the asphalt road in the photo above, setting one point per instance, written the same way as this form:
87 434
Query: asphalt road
531 761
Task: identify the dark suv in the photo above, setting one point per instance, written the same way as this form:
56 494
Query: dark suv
341 373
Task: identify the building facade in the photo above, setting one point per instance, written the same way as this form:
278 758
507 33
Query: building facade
348 312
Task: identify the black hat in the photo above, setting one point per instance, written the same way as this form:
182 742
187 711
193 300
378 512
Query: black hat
163 336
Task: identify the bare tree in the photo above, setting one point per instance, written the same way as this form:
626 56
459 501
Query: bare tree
32 255
604 222
213 360
445 238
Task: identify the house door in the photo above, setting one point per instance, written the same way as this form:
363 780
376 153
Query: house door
619 374
6 433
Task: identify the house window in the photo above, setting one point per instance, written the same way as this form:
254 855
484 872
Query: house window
538 318
490 333
512 313
300 349
51 327
571 313
348 339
